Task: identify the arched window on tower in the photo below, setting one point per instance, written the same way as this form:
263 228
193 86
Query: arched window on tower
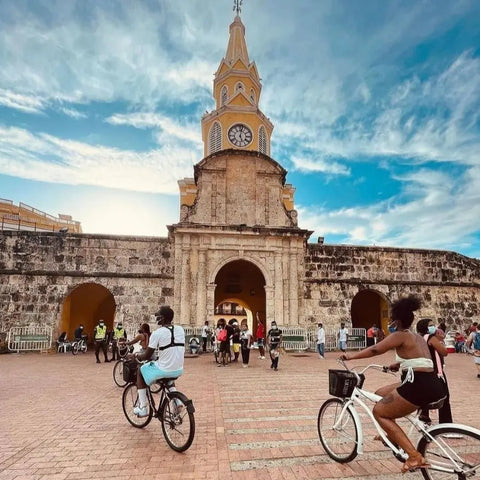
224 95
262 141
215 138
252 95
239 87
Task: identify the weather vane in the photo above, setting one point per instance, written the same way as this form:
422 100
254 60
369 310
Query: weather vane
237 6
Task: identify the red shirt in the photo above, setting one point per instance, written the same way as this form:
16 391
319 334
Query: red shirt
260 331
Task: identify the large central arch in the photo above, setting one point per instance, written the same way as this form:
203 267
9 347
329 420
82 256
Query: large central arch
242 282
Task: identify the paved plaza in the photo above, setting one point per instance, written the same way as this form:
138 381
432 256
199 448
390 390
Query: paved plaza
62 419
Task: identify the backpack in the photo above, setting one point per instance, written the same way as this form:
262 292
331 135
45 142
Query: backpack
222 335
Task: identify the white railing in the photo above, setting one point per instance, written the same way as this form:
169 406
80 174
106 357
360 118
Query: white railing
33 337
357 338
294 338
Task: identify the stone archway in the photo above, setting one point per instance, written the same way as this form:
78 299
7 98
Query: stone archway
85 305
242 282
370 307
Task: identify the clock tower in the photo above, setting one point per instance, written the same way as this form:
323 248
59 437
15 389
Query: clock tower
236 122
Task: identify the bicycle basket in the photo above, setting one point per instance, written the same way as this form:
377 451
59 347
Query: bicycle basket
130 371
341 383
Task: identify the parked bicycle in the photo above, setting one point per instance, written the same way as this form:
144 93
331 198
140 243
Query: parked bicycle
79 345
174 411
452 450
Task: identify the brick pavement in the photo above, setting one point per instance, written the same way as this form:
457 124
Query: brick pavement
62 419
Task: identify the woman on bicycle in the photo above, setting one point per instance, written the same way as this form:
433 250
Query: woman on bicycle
142 337
420 385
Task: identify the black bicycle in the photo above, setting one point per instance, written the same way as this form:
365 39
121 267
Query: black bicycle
174 411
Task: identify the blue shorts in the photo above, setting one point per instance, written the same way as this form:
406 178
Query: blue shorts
151 373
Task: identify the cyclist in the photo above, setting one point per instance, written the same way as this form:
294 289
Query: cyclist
420 384
169 341
141 338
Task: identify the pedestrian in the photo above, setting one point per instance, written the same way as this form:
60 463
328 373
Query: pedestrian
274 339
371 335
260 337
473 342
342 337
205 332
245 343
100 339
119 335
472 328
236 341
224 334
321 341
438 351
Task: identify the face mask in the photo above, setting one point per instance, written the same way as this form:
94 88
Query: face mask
102 324
119 327
432 329
274 327
392 328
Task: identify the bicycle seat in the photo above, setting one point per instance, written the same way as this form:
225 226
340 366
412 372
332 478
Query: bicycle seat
436 405
166 380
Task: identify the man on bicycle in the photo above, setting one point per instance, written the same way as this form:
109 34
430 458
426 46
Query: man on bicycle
169 342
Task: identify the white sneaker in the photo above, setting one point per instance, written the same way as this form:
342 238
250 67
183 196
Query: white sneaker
260 356
141 411
245 366
263 358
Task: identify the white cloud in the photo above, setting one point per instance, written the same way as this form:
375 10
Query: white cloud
17 101
324 166
51 159
71 112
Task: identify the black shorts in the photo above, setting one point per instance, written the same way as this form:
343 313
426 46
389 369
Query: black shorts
426 388
225 347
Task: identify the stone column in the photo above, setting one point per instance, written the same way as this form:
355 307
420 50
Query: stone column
185 289
201 289
293 290
278 282
210 302
270 304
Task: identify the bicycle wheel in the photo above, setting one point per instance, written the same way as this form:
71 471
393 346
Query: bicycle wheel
454 443
178 422
118 374
75 348
338 434
129 402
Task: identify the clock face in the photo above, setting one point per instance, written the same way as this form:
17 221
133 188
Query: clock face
240 135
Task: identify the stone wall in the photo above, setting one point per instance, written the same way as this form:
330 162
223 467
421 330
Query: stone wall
39 270
447 282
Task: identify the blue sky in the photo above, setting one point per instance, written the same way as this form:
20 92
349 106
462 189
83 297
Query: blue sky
375 105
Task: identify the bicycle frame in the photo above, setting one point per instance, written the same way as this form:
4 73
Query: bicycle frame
416 424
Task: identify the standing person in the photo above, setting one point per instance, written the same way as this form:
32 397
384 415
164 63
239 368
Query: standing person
274 339
169 342
100 339
260 337
438 352
321 341
472 328
119 334
205 332
236 341
420 385
224 334
474 342
141 338
342 337
245 343
371 334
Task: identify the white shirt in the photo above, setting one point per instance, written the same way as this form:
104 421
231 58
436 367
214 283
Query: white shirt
204 331
321 335
342 334
171 358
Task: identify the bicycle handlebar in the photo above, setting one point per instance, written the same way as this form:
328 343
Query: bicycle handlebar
382 368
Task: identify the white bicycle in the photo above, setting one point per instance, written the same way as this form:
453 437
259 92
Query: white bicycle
452 450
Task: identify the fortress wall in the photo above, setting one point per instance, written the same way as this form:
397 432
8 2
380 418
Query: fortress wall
39 270
447 282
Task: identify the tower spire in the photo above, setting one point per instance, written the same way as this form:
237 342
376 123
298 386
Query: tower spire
237 6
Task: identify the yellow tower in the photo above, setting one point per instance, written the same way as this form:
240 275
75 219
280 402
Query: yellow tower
236 122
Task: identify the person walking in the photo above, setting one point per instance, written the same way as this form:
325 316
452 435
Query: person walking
100 339
321 341
274 339
260 337
236 341
205 332
473 342
438 351
245 343
342 337
119 335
